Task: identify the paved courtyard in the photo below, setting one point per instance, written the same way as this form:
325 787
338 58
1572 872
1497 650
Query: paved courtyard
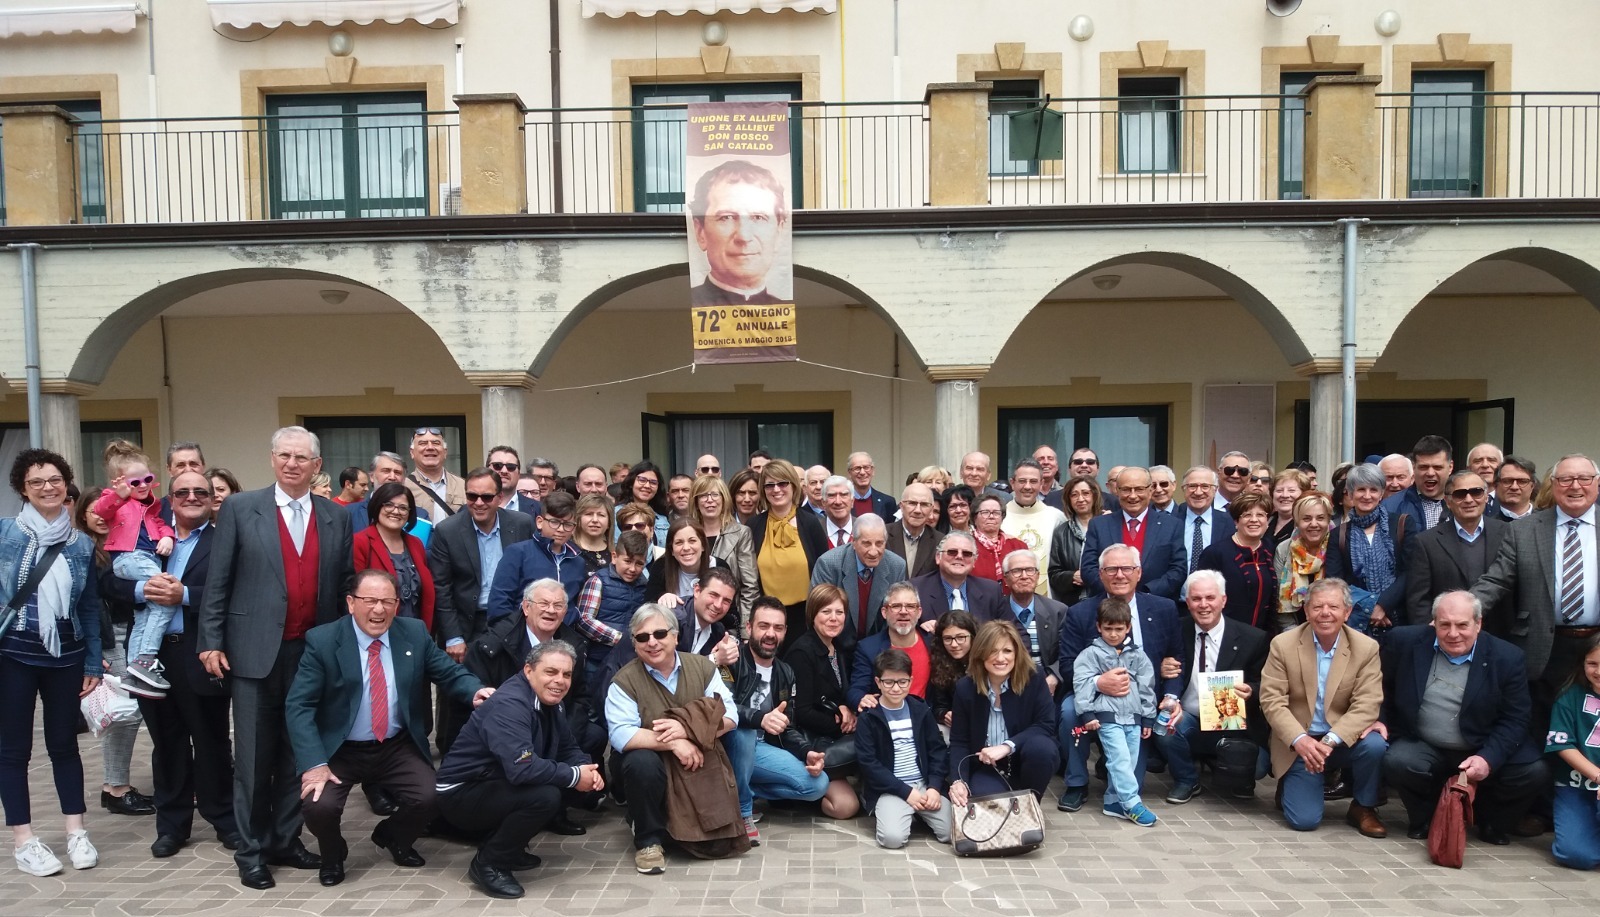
1212 856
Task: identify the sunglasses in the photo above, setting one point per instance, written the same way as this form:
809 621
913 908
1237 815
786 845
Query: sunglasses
1085 461
1234 471
480 498
710 469
425 431
1461 493
503 466
954 553
1260 480
647 636
636 526
185 493
142 482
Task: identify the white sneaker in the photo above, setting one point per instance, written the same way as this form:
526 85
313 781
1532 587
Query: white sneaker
83 854
37 859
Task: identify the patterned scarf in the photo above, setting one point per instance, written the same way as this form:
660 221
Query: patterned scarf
1372 562
1303 568
55 590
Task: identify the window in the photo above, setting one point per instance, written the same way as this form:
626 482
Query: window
1383 427
660 136
1447 133
1009 96
334 156
805 439
1119 434
1148 125
93 436
90 158
350 441
1292 133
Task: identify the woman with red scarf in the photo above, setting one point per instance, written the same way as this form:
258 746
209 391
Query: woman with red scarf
993 545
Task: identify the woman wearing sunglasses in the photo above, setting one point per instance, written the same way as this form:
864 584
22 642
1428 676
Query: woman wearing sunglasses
787 545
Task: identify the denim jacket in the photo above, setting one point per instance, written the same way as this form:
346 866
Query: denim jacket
78 555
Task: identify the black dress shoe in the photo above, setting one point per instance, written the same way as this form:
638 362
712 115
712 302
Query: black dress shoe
132 802
403 856
527 861
296 856
1337 790
496 883
166 845
381 802
1417 832
229 841
563 825
1493 834
331 873
256 877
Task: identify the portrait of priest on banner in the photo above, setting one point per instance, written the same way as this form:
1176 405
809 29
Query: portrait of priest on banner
740 222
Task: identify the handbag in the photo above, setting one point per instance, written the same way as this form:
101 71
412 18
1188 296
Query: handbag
1001 824
1447 834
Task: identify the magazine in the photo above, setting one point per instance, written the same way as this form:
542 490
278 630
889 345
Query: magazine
1221 707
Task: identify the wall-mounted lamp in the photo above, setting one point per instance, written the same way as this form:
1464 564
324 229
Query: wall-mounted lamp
340 44
1106 282
1081 28
335 297
715 33
1387 23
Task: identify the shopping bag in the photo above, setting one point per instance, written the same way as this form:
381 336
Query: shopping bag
107 705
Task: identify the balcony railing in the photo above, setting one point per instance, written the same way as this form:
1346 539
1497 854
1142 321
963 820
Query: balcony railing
846 156
1490 144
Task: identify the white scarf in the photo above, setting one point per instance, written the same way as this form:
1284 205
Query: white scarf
55 590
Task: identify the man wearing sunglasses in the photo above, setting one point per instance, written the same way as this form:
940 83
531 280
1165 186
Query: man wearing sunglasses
1451 557
708 464
507 466
549 554
434 489
952 587
1233 473
192 763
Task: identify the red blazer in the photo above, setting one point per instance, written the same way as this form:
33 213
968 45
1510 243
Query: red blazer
370 551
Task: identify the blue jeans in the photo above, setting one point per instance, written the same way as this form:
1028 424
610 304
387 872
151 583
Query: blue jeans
150 622
765 770
1302 790
1076 753
1122 746
1577 817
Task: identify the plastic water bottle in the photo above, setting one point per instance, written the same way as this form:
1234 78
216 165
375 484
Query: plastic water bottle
1163 721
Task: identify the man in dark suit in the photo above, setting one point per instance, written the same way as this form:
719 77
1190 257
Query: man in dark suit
952 586
1155 628
1432 462
191 762
867 498
864 569
1455 701
463 555
280 565
1038 617
1202 522
1452 555
1156 536
1209 642
1537 591
507 466
911 537
356 714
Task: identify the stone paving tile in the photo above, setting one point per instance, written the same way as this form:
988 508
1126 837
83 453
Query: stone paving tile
1211 857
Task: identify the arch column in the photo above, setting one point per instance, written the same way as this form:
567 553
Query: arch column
504 397
955 412
60 423
1327 411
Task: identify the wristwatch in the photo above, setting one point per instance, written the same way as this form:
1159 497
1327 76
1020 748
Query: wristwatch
1330 740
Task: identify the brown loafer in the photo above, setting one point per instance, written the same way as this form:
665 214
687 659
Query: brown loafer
1366 821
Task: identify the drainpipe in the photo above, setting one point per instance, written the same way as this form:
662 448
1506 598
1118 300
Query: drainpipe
1347 348
30 337
557 193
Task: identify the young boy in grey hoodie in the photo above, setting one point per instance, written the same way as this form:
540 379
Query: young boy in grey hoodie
1121 721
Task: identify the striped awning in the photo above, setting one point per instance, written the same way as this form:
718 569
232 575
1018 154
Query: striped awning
55 17
619 8
245 13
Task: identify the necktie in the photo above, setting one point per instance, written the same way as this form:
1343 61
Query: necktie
1133 527
378 691
1571 575
1201 665
1197 544
840 537
297 525
958 602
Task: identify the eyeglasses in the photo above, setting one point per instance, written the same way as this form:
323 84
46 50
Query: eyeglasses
895 682
860 467
188 493
295 457
546 476
776 485
1514 482
1461 493
1119 571
426 431
647 482
36 483
481 498
545 606
1135 488
370 602
399 509
530 493
903 606
560 525
504 466
142 482
990 512
636 526
1023 571
648 635
954 553
956 638
1199 487
1583 480
710 469
1236 471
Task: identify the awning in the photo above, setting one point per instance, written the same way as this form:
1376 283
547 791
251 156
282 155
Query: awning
619 8
53 17
242 14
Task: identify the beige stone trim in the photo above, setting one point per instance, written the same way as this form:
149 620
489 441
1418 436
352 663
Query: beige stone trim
1011 61
1320 53
1154 58
1451 51
1083 391
256 85
67 387
71 86
968 373
746 398
512 379
806 69
1324 365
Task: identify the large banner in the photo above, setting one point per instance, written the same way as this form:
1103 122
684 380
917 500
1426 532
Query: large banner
741 261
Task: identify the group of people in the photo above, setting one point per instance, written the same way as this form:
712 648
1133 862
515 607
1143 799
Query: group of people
686 647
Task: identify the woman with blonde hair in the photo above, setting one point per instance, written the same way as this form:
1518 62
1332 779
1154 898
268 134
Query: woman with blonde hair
1299 558
787 543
